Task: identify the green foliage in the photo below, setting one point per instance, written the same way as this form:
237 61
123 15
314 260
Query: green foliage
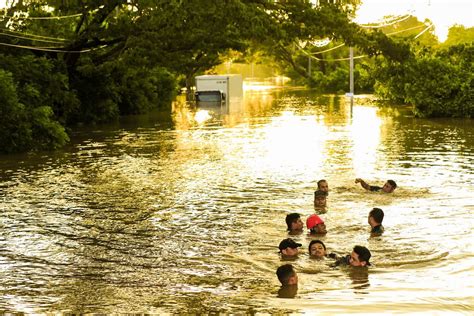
25 128
14 132
142 90
41 82
97 92
459 34
438 85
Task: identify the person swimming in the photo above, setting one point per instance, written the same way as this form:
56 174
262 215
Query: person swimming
358 258
320 201
375 219
317 250
316 225
388 187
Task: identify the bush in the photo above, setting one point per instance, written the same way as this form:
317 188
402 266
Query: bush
23 128
97 92
41 82
142 90
439 85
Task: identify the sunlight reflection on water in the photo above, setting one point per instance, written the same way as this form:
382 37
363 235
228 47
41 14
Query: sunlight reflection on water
185 217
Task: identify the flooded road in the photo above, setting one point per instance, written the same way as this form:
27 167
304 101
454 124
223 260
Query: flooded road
183 212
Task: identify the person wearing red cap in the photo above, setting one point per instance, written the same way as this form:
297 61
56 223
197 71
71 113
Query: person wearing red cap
316 225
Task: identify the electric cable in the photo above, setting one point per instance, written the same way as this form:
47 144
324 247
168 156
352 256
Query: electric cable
31 39
47 49
421 33
386 24
34 35
41 17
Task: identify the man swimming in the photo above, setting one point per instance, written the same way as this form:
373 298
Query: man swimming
388 187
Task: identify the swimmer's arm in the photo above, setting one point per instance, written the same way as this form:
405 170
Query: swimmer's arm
363 184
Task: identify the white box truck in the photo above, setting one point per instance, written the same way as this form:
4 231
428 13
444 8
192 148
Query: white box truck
219 89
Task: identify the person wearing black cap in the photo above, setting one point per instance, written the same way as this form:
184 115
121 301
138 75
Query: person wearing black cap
289 248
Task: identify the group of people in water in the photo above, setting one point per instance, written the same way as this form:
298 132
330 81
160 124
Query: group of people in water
289 248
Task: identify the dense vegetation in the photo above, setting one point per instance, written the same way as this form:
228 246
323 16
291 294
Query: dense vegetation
436 79
68 62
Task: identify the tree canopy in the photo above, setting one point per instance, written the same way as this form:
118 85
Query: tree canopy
102 59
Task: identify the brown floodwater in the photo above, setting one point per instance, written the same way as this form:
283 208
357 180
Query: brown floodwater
182 212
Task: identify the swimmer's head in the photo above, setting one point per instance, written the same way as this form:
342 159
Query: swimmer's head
389 186
317 249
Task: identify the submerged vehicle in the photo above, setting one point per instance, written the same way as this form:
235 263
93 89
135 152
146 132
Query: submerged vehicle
218 89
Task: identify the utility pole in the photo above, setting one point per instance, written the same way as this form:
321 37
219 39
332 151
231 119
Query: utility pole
309 68
351 76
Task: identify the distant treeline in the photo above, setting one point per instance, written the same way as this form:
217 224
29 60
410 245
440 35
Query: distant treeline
64 63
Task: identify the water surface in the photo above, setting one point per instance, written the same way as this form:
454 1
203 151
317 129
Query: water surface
183 212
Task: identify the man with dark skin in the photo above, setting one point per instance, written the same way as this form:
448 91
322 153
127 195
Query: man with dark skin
388 187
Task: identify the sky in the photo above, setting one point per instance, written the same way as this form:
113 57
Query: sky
443 13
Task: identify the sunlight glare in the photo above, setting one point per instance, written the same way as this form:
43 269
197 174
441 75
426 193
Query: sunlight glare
202 116
292 140
365 131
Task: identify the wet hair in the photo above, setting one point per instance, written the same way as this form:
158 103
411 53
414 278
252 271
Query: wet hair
392 183
363 253
291 218
316 241
377 214
321 181
319 193
284 273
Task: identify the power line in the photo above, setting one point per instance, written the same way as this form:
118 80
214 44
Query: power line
33 35
386 24
330 49
362 56
31 39
320 59
421 33
42 17
408 29
47 49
